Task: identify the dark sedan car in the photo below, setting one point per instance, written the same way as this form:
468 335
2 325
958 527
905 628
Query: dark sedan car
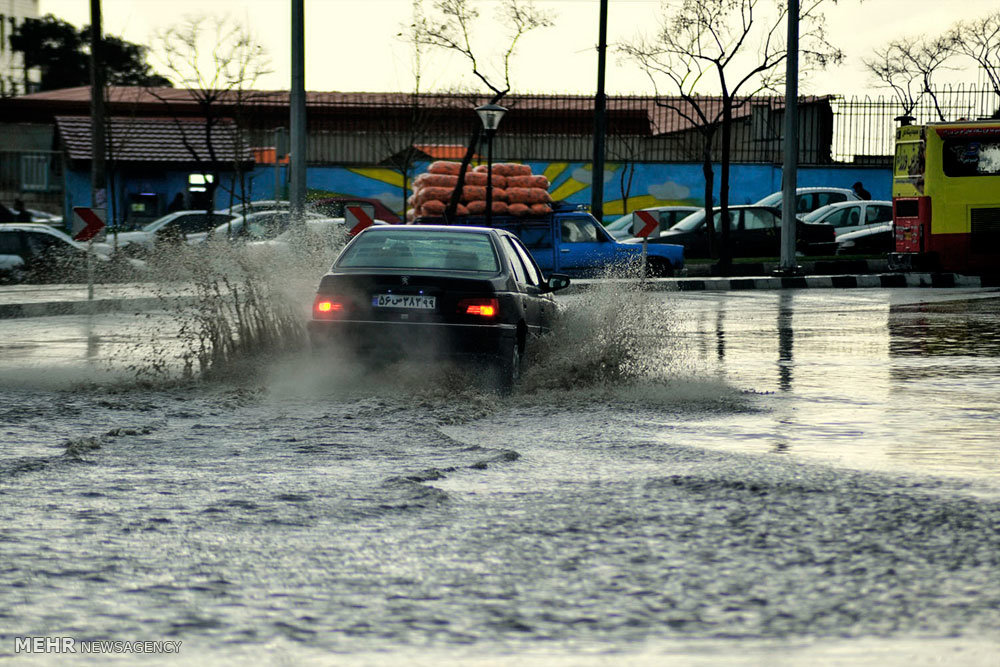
466 292
754 231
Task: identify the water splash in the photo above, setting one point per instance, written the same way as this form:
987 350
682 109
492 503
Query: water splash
232 304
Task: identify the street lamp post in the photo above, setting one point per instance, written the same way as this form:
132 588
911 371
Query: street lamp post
490 114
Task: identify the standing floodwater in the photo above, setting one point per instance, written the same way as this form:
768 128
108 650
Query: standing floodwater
712 478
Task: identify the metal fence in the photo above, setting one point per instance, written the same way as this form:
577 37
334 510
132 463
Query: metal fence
371 129
864 127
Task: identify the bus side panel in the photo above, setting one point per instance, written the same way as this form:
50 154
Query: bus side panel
949 252
912 223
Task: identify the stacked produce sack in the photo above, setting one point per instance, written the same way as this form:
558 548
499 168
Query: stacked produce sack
516 191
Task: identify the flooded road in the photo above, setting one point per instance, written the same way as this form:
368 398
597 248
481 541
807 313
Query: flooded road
799 477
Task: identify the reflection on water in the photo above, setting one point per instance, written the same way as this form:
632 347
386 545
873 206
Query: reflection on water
786 336
872 379
968 327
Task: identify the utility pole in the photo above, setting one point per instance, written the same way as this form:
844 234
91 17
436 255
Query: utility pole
98 178
297 121
98 172
600 120
790 167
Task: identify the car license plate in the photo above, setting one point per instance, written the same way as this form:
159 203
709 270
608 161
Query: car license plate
404 301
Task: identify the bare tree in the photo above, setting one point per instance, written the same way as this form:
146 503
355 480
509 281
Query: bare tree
217 60
979 39
417 119
736 47
451 27
908 65
626 150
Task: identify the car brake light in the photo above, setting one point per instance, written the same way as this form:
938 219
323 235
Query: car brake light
481 307
327 308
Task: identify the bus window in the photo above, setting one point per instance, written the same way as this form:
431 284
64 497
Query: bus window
969 157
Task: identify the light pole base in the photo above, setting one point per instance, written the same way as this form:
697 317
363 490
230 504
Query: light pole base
788 271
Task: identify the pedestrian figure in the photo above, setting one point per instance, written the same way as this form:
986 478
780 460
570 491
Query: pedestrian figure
177 204
21 214
860 191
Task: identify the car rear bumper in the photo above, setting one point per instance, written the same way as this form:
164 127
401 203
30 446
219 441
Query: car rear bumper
413 339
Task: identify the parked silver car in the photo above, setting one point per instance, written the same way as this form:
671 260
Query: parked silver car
811 198
850 216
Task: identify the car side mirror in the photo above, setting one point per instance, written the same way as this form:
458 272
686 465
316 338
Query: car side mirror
557 281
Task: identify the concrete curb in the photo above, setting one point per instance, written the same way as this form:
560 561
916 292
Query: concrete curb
881 280
55 308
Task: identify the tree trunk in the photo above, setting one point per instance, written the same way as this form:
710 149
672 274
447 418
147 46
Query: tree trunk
725 250
706 168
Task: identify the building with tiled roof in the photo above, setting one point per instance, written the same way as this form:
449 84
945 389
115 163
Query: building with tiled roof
173 141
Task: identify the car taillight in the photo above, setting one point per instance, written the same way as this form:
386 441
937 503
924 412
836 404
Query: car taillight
481 307
328 307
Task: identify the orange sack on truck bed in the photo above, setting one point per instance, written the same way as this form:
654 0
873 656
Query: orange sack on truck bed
520 210
532 181
428 179
444 167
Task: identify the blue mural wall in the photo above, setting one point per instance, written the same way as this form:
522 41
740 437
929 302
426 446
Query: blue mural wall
651 184
162 183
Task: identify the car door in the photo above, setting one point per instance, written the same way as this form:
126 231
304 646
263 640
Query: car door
876 214
544 306
197 229
11 251
583 247
759 234
537 238
51 257
735 235
526 291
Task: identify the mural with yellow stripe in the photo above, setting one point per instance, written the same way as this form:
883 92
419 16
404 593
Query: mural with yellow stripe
627 187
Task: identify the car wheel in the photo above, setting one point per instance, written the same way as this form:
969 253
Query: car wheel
507 368
659 268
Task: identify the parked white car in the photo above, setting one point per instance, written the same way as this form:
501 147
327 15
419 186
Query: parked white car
324 231
39 253
810 199
850 216
179 224
246 208
253 227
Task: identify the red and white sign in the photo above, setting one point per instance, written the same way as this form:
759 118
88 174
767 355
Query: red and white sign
87 222
358 217
644 223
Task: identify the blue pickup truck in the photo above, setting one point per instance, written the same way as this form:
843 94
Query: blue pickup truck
572 242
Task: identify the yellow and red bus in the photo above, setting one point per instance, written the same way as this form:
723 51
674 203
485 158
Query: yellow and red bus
946 197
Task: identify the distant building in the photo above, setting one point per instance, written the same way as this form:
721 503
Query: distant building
13 78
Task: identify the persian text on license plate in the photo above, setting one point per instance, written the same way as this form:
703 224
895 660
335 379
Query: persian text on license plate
404 301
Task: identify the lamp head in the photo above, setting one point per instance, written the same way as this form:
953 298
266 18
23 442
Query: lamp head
491 114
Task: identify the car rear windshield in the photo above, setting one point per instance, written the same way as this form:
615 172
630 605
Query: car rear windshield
410 249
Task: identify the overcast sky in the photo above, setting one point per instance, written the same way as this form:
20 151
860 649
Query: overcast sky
351 45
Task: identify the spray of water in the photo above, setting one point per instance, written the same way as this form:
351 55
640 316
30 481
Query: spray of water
232 305
243 309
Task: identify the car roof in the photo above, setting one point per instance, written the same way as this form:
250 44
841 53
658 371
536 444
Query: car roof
35 227
814 188
854 202
827 208
440 228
